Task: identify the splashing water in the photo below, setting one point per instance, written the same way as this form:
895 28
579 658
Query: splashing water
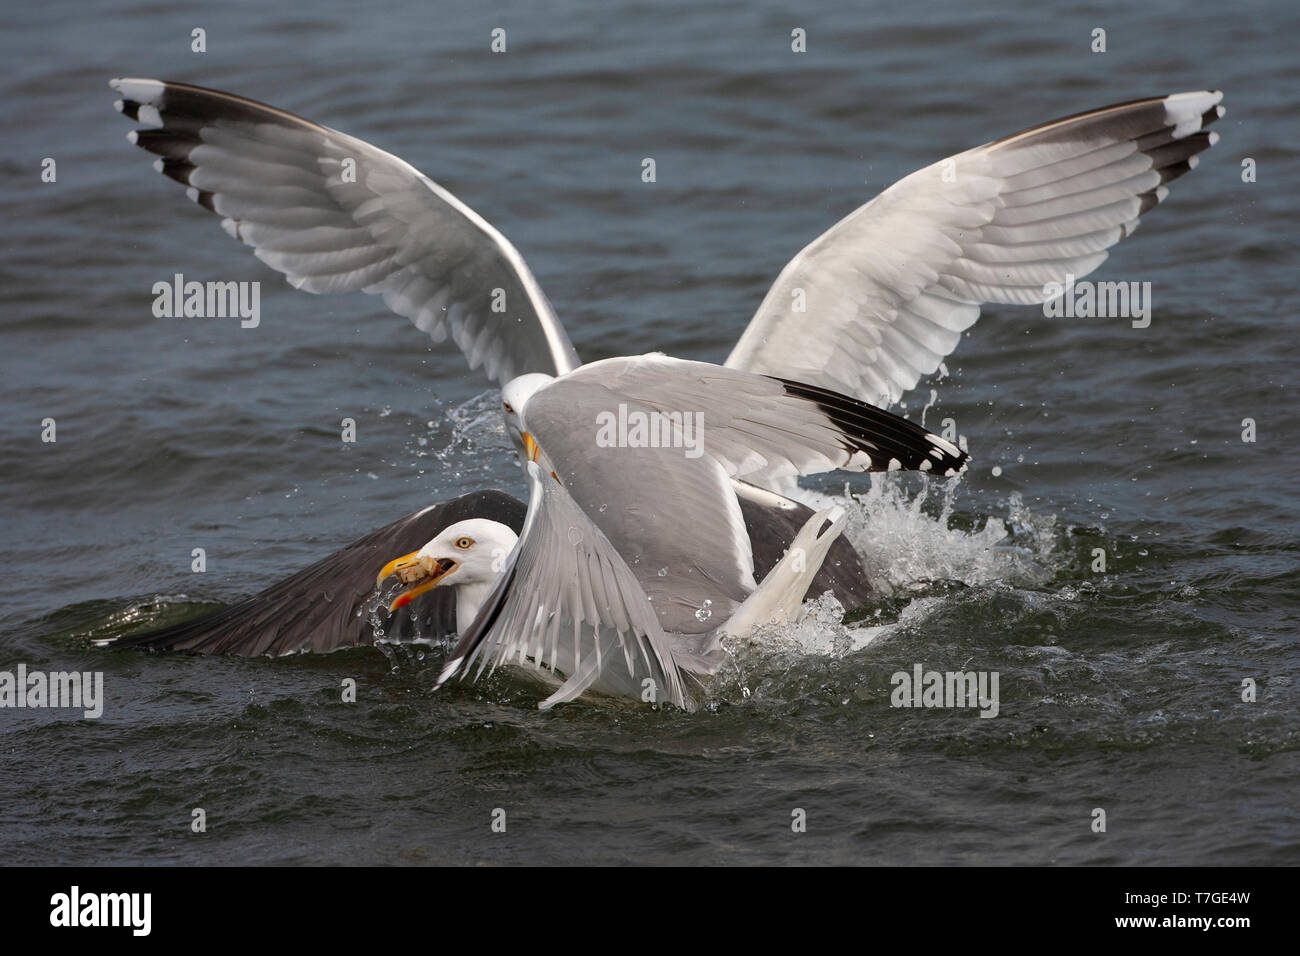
478 440
903 544
906 548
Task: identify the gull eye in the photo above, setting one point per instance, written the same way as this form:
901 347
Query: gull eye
506 406
464 543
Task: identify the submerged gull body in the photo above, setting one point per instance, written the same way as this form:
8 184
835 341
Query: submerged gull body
882 298
332 605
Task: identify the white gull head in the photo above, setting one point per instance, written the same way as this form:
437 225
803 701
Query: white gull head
514 396
467 555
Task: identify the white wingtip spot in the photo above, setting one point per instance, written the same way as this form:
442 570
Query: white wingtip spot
1184 110
158 165
192 194
926 465
119 105
143 91
1161 193
1214 137
894 465
149 115
231 228
133 137
1197 102
945 445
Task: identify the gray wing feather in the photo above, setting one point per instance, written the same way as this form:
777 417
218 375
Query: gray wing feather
881 298
335 214
758 428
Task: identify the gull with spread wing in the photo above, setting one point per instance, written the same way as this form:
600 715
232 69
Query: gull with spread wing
886 295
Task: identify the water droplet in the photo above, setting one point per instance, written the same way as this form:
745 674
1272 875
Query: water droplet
997 470
575 536
705 612
663 572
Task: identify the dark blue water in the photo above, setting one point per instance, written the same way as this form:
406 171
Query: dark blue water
1119 690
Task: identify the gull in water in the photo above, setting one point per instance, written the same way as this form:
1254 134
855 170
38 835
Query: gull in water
636 541
852 322
332 605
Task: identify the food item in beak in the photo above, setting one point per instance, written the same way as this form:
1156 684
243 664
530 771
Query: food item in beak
423 573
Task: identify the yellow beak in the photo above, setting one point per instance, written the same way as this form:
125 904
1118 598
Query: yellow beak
530 447
424 573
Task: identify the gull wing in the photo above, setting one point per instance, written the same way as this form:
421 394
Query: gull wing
882 297
335 214
647 447
325 607
566 599
758 428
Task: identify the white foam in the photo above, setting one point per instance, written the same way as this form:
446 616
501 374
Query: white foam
906 540
903 541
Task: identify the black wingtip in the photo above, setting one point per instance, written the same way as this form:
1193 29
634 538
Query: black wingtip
891 442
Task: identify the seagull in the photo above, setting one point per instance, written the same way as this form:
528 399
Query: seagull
332 604
629 543
852 322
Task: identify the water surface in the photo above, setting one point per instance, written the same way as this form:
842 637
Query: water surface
1118 690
